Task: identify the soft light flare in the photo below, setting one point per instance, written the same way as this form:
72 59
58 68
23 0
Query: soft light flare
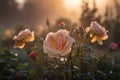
72 4
20 3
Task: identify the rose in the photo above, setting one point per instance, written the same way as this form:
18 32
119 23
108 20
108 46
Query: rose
113 46
23 37
33 55
19 75
61 24
58 44
79 30
97 32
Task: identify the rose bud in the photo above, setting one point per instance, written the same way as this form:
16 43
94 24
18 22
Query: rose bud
79 30
61 24
19 75
113 46
33 55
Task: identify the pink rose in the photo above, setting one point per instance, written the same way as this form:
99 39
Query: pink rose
97 32
23 37
113 46
33 55
58 44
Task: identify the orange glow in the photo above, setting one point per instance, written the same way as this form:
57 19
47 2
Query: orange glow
20 3
9 33
72 4
100 2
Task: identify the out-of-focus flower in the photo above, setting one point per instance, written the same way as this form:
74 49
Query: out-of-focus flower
97 32
16 54
61 24
23 37
79 30
113 46
33 55
58 44
9 33
63 59
19 75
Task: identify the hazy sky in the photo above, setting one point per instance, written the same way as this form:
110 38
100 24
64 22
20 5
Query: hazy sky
34 12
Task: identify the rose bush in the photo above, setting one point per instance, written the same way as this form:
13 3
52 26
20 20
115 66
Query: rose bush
68 55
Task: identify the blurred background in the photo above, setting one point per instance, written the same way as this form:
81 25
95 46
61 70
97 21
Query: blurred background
38 15
35 14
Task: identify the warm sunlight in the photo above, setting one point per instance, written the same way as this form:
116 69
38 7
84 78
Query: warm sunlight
20 3
101 2
72 4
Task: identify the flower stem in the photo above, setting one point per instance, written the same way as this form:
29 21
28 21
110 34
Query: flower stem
101 60
83 66
71 66
66 63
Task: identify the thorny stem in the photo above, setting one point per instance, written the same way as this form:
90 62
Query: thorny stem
101 60
82 41
66 63
69 59
80 52
71 67
82 64
39 63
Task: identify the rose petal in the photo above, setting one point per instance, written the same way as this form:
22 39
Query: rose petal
100 42
104 37
32 37
94 39
87 29
91 35
19 44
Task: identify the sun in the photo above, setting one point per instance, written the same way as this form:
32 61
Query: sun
72 4
20 3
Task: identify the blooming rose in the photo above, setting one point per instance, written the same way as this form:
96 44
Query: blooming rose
113 46
33 55
97 32
58 44
23 37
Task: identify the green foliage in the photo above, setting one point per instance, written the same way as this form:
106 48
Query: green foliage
10 66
